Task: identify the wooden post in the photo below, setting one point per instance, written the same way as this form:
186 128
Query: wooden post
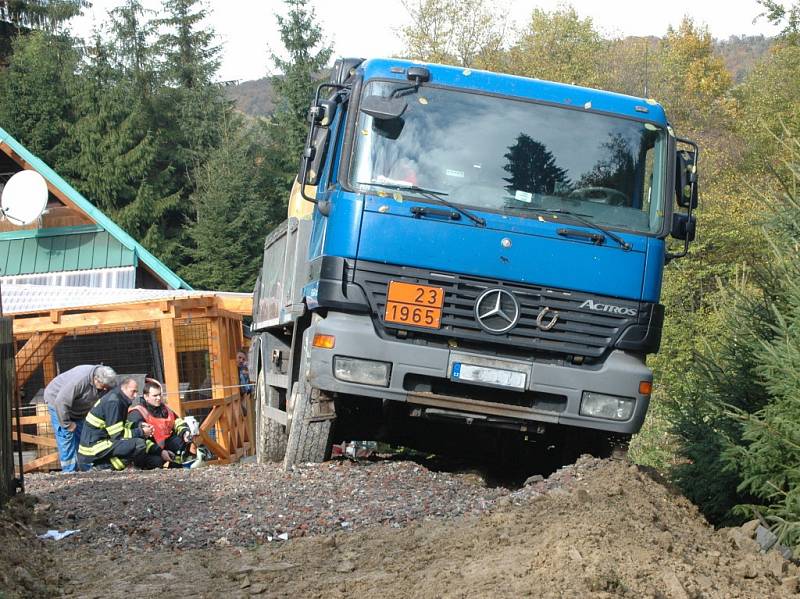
171 379
49 367
217 359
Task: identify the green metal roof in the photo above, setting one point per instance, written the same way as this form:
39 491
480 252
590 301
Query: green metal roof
127 242
62 249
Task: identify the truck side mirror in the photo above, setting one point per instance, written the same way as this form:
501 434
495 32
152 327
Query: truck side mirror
322 113
383 109
684 226
314 155
686 178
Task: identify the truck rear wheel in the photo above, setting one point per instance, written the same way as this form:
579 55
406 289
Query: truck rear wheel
271 435
310 429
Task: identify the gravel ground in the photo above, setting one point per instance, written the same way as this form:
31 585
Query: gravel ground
250 503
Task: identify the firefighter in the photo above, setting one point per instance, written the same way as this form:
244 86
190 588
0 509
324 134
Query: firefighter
107 439
170 441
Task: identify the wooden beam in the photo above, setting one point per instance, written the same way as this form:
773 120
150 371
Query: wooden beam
40 419
136 319
35 439
35 351
49 366
216 359
218 450
50 458
222 313
171 377
204 301
199 404
212 418
242 305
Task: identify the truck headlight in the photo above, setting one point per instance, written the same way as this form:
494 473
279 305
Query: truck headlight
365 372
612 407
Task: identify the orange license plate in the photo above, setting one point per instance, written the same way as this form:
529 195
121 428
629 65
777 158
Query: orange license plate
414 305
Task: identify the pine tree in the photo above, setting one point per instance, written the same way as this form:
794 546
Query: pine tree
47 15
739 426
532 167
34 93
230 206
768 457
156 213
114 149
307 54
192 105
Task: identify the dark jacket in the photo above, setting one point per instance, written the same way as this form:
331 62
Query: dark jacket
105 423
72 393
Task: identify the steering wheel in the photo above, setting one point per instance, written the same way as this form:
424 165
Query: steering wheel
600 195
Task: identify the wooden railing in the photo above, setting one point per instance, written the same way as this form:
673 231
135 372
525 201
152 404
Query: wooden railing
47 441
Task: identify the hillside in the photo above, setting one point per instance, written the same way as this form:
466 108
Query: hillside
741 53
252 97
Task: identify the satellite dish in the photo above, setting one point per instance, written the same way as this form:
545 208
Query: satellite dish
24 197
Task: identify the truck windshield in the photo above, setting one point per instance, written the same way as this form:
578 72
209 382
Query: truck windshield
514 157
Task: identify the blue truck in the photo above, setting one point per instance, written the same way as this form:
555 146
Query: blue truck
472 261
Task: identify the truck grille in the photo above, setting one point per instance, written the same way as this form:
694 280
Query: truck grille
577 332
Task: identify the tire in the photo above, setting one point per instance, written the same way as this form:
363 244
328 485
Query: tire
309 441
271 435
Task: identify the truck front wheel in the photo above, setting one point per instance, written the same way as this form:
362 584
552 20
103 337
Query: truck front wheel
270 434
311 421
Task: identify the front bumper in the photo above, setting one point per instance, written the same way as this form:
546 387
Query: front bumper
420 375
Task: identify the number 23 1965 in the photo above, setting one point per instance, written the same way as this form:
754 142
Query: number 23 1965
414 305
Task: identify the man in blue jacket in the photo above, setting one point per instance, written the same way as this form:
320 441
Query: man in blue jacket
69 398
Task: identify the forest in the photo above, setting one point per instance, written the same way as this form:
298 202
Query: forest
136 119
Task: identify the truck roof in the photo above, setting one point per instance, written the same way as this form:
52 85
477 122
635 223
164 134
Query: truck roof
571 96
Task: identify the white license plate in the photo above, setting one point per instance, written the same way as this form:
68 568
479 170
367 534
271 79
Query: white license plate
488 376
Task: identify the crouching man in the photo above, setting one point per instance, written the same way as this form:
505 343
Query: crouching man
107 439
170 441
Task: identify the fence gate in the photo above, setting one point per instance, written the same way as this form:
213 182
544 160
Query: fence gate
7 488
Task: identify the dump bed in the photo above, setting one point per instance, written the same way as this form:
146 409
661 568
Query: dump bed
278 297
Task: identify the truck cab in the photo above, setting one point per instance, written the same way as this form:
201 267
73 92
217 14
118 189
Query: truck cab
472 256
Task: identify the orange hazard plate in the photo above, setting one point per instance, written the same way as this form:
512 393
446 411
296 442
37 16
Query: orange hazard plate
414 305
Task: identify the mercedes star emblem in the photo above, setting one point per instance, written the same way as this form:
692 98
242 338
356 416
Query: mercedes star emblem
497 310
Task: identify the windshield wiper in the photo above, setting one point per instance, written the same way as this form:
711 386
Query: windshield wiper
585 221
430 194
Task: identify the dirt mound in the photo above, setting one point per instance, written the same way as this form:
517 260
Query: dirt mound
27 567
593 529
598 529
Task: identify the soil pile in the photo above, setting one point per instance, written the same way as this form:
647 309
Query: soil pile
27 566
593 529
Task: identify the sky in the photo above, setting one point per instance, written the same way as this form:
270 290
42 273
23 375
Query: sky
246 29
